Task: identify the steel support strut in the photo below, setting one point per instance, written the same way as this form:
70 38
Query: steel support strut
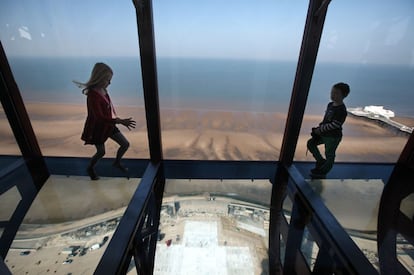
149 76
309 49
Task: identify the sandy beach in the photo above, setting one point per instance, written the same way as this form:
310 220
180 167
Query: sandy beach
203 134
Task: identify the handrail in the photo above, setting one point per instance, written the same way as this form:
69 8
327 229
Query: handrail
330 234
120 248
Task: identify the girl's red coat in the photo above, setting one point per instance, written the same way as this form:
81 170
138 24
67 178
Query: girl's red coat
99 124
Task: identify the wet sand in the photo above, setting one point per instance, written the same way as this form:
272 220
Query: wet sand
204 134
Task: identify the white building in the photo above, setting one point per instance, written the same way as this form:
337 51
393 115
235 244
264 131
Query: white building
95 246
379 110
372 111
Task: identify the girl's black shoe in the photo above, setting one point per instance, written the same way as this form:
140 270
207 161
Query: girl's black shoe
92 174
122 168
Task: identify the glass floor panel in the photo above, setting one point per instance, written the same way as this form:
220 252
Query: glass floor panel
69 224
214 227
355 205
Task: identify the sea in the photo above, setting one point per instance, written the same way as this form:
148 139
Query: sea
217 84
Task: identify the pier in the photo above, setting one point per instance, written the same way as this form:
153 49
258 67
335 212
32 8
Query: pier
381 116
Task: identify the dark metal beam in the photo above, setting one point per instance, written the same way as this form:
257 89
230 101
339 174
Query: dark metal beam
307 59
323 263
279 190
298 221
35 172
19 121
349 259
120 248
149 76
158 195
19 177
205 169
310 44
390 220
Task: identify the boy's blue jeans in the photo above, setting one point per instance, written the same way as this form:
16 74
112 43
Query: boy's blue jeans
331 143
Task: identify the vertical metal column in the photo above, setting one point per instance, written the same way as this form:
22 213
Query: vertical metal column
391 221
279 189
304 71
158 195
309 49
19 121
152 109
149 76
294 240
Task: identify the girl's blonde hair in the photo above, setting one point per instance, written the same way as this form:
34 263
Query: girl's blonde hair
99 76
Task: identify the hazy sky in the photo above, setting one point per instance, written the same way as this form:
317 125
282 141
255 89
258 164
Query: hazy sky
367 31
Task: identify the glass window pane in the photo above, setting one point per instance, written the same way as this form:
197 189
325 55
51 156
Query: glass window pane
354 203
407 206
10 198
8 144
373 54
405 253
51 44
225 72
287 208
309 248
9 201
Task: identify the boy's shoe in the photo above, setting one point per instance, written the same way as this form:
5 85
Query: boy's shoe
320 163
92 174
317 174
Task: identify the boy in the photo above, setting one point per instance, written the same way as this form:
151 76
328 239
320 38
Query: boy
329 131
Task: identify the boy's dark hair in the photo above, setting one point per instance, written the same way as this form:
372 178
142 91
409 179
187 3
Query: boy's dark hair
343 87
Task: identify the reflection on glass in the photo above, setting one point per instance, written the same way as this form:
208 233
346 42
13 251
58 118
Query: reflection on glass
407 206
405 253
69 225
8 145
354 203
213 226
225 76
287 208
9 201
10 196
282 248
309 248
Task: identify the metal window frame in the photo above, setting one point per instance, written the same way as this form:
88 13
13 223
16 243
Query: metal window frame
32 158
136 233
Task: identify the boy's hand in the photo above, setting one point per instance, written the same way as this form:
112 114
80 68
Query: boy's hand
316 131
